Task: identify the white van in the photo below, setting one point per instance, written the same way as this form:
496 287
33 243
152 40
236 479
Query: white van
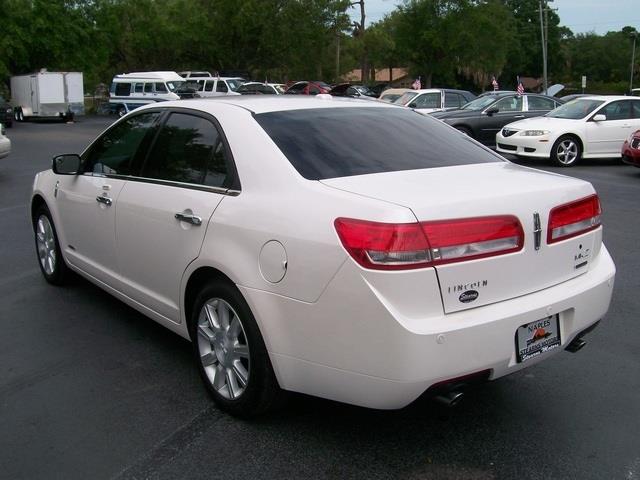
132 90
215 86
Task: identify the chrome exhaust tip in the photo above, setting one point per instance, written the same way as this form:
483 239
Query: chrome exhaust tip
450 399
575 345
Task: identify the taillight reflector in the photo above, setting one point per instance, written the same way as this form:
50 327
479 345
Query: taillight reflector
573 219
390 246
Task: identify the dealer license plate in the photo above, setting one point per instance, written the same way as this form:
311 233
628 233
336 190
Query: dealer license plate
537 337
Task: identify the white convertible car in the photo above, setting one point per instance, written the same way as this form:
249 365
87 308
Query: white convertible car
587 127
304 244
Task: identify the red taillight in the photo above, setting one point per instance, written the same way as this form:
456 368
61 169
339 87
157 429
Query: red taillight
384 246
573 219
469 238
388 246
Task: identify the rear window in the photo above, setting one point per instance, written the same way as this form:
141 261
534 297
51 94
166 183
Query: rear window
340 142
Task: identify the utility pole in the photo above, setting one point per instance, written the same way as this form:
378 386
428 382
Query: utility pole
544 33
359 31
633 60
543 29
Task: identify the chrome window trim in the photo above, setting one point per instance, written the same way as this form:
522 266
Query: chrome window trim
169 183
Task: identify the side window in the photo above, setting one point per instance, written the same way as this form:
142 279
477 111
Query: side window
209 86
161 87
188 149
221 86
509 104
313 90
452 100
635 108
428 100
148 88
540 103
113 153
617 110
123 89
138 87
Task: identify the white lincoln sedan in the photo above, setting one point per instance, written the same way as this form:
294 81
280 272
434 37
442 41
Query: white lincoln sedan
304 244
587 127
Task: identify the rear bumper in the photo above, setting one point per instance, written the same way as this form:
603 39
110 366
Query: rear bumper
357 346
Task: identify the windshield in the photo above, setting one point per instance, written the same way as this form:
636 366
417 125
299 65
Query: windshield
173 86
479 103
575 109
405 98
234 83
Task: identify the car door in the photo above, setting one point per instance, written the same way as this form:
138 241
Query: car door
87 202
163 215
607 136
509 108
537 106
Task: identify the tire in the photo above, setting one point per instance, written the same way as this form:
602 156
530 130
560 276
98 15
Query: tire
50 260
20 115
566 151
231 352
121 111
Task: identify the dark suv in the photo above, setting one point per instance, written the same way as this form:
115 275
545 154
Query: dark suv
6 113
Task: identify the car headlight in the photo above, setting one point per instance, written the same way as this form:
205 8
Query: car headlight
9 110
535 133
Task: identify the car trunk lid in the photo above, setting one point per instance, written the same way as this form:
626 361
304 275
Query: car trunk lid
490 190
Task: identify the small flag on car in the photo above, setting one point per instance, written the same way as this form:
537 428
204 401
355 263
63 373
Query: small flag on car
520 88
494 82
416 85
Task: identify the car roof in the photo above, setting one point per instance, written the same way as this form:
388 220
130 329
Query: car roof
214 78
397 90
166 76
272 103
606 98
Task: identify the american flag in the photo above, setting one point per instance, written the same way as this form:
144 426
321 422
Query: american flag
494 82
520 88
417 84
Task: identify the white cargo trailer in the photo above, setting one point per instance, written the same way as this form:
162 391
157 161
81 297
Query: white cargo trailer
47 95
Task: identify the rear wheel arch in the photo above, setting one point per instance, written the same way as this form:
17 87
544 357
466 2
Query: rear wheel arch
197 280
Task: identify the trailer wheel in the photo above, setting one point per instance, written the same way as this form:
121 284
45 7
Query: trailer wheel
20 115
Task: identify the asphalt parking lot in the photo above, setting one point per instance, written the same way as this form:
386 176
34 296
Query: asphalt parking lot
89 388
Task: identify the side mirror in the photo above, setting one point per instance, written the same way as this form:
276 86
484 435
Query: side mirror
66 164
599 117
412 105
492 110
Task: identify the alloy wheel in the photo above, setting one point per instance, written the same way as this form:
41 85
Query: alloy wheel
46 243
567 152
223 348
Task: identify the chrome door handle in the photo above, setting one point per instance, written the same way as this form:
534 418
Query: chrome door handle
192 219
106 200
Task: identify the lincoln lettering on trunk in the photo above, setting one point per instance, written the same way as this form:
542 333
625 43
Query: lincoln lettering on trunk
467 286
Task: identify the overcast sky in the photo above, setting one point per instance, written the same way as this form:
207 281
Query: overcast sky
580 16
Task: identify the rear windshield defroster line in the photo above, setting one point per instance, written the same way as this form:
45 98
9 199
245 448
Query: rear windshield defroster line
340 142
